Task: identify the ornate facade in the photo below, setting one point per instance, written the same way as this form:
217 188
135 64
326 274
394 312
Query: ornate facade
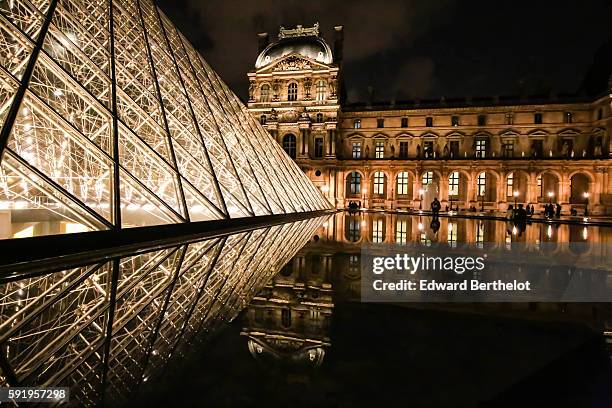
486 153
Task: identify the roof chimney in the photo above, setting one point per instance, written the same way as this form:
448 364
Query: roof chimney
338 43
263 39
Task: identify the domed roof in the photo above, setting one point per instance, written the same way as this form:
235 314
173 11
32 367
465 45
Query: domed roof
303 41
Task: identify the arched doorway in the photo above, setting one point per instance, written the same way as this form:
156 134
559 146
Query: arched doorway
548 184
579 187
517 183
486 187
457 187
289 144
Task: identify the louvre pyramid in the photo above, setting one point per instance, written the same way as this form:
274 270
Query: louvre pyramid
110 118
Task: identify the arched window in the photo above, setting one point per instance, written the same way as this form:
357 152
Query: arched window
482 183
262 119
378 228
379 183
510 185
427 177
264 95
289 145
321 90
402 183
453 184
355 183
319 118
292 92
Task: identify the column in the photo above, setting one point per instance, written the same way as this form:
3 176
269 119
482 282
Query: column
333 143
443 196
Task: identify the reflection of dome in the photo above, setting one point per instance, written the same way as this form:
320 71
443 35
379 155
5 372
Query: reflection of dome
301 41
284 351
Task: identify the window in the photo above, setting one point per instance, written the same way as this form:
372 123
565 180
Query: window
401 232
262 119
454 148
482 183
599 114
379 183
453 184
321 90
380 122
540 185
537 118
377 231
356 123
292 91
480 232
451 238
318 148
402 183
482 120
510 185
508 148
428 149
403 153
568 117
289 145
427 177
319 118
429 121
455 120
509 118
538 148
380 150
355 183
264 95
286 317
354 230
481 148
356 150
404 122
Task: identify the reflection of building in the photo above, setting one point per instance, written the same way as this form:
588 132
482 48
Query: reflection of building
288 321
472 151
344 235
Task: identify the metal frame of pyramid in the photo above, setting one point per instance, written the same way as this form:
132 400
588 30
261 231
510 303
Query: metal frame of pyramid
111 119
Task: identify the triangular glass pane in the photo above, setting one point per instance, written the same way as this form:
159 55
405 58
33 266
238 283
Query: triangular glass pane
30 206
141 208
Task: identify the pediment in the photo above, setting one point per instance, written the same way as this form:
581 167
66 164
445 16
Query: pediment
293 62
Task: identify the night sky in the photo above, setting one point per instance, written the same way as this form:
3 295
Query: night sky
418 48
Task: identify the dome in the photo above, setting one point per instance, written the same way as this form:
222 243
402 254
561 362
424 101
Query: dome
310 46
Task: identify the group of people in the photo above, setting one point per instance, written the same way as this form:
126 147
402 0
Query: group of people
551 210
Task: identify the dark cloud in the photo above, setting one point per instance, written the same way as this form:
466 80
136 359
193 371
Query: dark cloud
414 48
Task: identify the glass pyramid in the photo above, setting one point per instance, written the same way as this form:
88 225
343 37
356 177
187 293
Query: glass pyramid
111 119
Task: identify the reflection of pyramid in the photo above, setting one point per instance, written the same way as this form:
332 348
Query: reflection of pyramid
129 129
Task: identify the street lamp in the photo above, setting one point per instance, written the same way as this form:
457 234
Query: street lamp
550 194
515 194
586 204
421 191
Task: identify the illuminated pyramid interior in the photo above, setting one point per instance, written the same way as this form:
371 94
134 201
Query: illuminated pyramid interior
119 122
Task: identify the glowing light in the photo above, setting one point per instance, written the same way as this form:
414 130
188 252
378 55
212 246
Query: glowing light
420 226
550 194
549 231
586 194
516 193
585 233
514 230
58 93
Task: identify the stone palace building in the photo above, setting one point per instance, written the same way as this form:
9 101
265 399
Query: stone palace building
486 153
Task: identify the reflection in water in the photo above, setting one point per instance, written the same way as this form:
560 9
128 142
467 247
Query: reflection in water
288 321
108 327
